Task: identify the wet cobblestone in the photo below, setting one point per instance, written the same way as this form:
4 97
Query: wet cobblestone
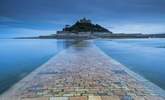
83 74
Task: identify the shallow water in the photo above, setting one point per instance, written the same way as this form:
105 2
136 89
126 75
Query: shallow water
20 57
143 56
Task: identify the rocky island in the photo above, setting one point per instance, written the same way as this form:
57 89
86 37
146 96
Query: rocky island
84 28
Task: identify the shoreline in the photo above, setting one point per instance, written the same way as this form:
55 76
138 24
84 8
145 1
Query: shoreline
96 35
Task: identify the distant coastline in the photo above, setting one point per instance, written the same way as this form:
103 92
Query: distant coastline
95 36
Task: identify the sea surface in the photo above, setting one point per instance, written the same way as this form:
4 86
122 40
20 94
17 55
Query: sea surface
143 56
19 57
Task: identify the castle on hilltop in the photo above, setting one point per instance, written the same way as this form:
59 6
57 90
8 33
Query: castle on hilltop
84 20
84 26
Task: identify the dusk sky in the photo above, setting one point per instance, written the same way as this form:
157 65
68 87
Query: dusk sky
34 17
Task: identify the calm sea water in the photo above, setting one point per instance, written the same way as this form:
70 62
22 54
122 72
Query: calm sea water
20 57
143 56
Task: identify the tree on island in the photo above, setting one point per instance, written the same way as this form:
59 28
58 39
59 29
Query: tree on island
85 25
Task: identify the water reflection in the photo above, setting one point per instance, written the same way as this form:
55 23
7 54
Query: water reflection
20 57
76 44
142 56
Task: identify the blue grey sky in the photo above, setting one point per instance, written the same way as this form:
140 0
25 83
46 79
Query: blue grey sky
33 17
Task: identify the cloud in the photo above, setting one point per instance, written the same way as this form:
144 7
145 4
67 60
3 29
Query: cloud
7 32
54 14
140 28
57 9
41 25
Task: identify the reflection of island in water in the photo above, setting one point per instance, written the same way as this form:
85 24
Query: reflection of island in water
77 44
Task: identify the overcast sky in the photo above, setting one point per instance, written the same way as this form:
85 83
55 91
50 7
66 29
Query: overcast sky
33 17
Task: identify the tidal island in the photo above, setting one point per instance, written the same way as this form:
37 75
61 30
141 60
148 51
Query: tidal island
83 28
86 29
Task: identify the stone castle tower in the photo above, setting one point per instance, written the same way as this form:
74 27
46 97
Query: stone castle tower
84 20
